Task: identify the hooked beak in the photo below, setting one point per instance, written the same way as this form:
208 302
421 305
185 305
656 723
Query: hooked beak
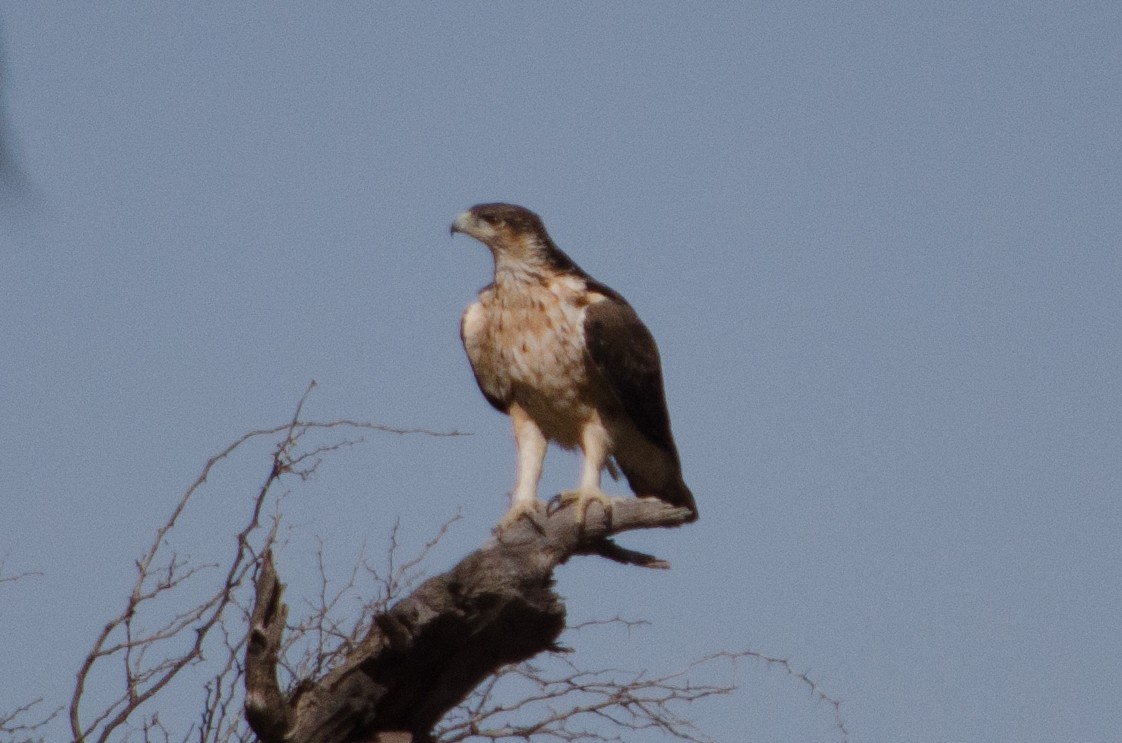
462 223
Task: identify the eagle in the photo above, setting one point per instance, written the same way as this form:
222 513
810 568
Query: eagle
569 361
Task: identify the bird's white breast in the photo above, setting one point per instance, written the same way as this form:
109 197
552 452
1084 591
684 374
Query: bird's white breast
525 341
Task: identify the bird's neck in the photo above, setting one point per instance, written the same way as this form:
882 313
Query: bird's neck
532 260
528 268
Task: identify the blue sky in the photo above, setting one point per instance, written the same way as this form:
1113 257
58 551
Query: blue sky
879 246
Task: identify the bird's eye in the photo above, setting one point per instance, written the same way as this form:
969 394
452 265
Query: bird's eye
490 219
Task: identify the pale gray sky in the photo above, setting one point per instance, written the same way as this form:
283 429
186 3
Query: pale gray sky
878 245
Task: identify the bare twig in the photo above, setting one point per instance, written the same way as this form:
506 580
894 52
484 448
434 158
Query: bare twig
412 651
573 703
803 677
21 720
429 650
16 576
150 659
449 638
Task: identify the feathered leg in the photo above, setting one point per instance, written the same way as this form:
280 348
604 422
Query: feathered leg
531 445
596 445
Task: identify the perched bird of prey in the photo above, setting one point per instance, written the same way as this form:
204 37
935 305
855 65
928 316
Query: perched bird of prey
569 361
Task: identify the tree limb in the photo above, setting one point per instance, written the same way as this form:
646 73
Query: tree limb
432 648
264 704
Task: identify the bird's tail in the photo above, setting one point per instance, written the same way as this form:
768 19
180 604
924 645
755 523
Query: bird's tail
664 483
677 494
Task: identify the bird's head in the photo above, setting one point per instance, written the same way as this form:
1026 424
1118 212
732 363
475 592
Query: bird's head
510 231
518 241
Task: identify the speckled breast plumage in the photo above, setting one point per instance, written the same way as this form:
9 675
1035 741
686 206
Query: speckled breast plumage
526 345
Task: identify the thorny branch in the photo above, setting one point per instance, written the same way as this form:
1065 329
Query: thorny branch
550 698
573 704
20 720
150 659
17 576
455 638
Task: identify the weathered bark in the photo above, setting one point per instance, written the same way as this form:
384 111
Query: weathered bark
427 653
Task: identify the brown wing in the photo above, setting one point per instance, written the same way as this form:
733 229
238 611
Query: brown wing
625 354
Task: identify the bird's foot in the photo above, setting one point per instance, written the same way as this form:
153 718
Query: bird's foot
521 509
583 498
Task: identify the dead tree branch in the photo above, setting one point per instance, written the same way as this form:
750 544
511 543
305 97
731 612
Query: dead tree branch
424 661
428 652
152 658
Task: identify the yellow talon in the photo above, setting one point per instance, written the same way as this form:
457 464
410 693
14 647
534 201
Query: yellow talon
518 510
583 499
